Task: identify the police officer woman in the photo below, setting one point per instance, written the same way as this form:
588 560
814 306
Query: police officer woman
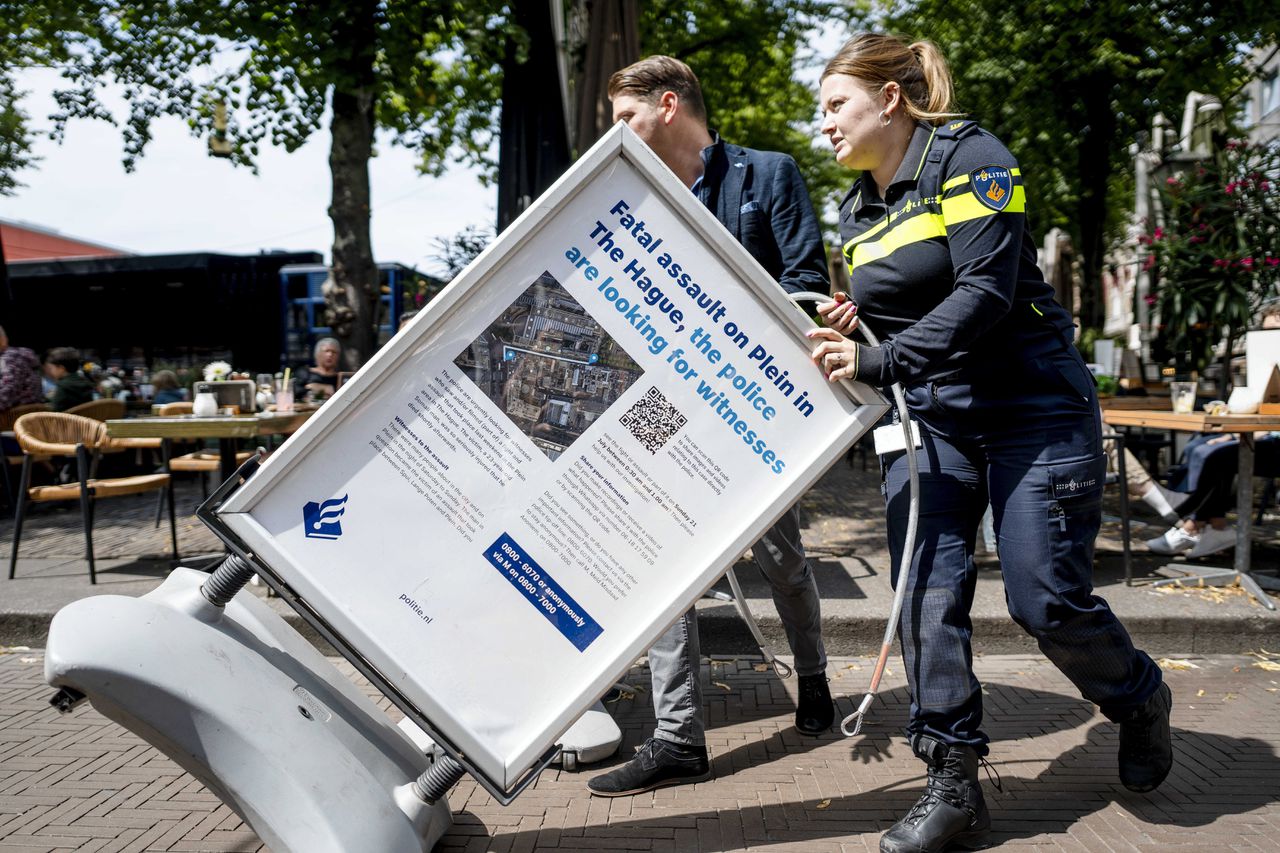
935 236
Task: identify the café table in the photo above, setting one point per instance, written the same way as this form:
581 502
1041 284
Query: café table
1243 426
227 429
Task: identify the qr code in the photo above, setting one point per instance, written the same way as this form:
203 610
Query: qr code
653 420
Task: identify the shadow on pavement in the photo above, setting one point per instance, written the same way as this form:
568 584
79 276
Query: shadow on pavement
1214 775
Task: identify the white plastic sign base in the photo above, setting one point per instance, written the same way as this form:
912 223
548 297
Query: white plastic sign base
247 706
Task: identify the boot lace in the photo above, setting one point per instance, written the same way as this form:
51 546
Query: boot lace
939 789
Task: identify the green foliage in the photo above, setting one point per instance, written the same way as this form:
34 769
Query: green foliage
430 68
15 137
1216 257
746 54
24 42
453 253
1069 84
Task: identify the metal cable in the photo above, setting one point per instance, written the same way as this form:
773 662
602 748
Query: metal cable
909 542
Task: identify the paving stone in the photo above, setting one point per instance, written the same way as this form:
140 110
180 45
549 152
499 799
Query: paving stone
1054 752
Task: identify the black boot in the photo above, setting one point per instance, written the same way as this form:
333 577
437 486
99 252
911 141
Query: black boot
951 812
815 711
1146 747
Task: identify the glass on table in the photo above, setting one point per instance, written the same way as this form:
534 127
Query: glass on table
1182 395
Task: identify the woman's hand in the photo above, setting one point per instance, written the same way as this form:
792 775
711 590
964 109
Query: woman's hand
835 355
840 314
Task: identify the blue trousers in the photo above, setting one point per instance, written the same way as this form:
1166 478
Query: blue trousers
1027 441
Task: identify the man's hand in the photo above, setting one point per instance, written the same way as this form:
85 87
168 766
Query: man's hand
840 314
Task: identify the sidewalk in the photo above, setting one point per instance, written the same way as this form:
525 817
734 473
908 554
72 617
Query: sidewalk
78 782
843 519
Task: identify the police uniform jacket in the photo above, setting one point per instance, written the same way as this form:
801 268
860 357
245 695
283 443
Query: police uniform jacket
943 266
761 198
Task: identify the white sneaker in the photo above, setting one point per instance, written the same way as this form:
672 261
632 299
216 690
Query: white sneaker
1166 502
1212 541
1174 541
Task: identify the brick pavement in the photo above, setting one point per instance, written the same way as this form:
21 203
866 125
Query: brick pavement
81 783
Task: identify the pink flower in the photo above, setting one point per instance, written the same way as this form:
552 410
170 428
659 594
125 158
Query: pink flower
1149 263
1173 182
1150 299
1221 263
1159 234
1272 262
1193 240
1264 185
1247 263
1231 187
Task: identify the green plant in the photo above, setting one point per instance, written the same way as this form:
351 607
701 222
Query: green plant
1216 256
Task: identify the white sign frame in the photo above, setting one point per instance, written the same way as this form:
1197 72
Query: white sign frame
852 409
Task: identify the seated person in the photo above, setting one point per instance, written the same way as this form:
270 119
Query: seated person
70 386
1141 485
319 381
19 375
1208 475
167 388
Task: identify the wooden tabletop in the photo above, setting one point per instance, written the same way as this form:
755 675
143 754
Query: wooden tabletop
1190 421
190 426
1151 402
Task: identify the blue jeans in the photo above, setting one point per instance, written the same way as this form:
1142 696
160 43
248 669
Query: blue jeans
1209 475
1027 441
674 658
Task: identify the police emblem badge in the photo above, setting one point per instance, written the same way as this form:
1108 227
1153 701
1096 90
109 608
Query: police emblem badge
993 185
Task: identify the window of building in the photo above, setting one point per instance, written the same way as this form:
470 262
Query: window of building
1270 96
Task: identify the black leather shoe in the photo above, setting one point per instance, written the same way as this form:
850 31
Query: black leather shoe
951 813
815 711
658 763
1146 747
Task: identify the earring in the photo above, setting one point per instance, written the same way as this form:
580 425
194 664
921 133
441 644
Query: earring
885 119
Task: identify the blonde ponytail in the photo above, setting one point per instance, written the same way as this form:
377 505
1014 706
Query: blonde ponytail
937 80
919 69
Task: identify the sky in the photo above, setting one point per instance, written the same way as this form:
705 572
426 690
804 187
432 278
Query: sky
180 199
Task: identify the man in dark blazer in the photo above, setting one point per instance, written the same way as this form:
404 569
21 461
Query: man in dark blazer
761 199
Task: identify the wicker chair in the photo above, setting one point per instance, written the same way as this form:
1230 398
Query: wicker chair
105 409
7 419
108 409
202 462
44 435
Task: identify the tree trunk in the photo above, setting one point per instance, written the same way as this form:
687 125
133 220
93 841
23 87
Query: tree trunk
351 302
1095 171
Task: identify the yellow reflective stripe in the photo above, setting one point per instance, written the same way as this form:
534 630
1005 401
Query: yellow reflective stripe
869 233
924 226
964 179
920 167
962 208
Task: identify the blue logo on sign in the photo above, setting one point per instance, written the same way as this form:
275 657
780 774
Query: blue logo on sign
993 185
324 520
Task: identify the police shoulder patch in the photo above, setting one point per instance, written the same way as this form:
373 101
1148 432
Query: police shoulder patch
993 185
